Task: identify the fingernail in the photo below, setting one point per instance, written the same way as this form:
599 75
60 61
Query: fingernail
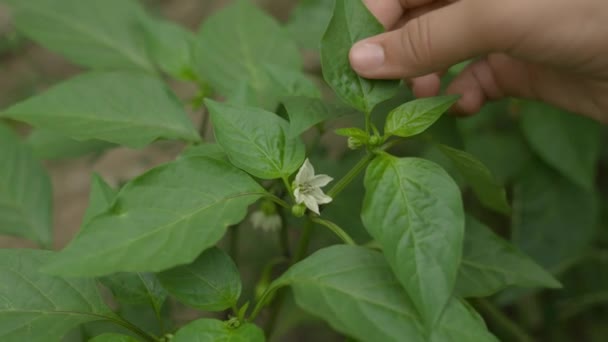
366 56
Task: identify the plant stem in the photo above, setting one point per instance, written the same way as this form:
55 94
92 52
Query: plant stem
277 200
304 242
288 187
501 320
350 176
336 230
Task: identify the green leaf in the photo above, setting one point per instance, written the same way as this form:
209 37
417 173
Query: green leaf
554 220
355 291
414 117
100 198
161 219
210 283
255 140
50 145
238 60
305 112
351 22
25 191
214 330
491 264
568 142
170 46
126 108
213 151
35 307
488 190
91 33
308 22
414 210
137 289
113 338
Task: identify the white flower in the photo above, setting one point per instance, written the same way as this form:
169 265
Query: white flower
265 222
307 187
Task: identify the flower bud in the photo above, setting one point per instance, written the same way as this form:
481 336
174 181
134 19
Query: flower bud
298 210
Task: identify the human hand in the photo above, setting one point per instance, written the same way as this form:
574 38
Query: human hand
550 50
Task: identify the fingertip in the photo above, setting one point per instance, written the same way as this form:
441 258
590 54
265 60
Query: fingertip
365 57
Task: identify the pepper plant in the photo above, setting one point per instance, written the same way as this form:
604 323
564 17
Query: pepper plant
418 269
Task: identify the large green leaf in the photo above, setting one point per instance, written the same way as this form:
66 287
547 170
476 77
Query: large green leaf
305 112
255 140
126 108
100 198
170 46
355 291
350 23
25 191
485 186
92 33
137 289
490 264
413 209
204 330
35 307
569 143
161 219
416 116
210 283
234 59
554 220
109 337
308 22
50 145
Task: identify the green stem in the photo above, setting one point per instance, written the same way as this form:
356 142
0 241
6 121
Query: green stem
277 200
336 230
350 176
504 322
304 242
288 187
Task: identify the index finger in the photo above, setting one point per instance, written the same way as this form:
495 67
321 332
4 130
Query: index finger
389 12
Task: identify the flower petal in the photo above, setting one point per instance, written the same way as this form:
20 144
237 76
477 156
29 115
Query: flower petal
306 172
320 181
311 204
298 195
319 196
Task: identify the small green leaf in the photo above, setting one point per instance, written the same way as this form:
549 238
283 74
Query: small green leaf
39 308
491 264
113 338
137 289
161 219
305 112
488 190
414 210
210 283
170 46
351 22
352 132
126 108
568 142
25 191
414 117
554 220
95 34
50 145
214 330
308 22
100 198
355 291
255 140
235 59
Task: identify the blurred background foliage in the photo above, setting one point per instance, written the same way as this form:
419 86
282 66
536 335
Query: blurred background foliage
554 165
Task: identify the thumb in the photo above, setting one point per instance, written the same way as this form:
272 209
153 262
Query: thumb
433 41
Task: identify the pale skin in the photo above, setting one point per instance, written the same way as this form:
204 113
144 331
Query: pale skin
555 51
